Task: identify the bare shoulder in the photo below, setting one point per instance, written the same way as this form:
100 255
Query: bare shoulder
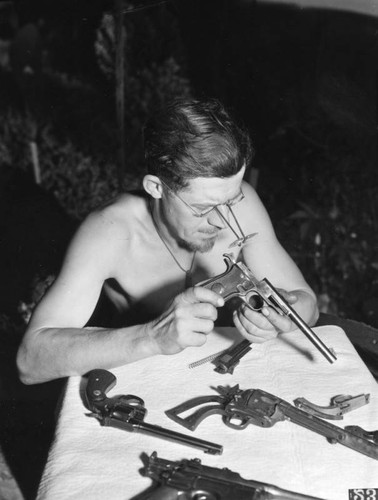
117 218
253 212
251 196
107 231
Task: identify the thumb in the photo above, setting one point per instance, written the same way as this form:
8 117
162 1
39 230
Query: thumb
290 297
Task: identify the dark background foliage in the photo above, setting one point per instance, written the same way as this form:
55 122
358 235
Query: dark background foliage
302 81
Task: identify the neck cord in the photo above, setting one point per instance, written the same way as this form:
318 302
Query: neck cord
188 272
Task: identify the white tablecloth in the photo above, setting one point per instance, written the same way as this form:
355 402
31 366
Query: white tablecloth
88 461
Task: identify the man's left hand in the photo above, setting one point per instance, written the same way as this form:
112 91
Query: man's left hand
266 324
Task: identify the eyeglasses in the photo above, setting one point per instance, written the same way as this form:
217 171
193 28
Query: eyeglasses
240 239
206 211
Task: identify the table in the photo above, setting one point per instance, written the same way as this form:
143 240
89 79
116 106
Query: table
88 461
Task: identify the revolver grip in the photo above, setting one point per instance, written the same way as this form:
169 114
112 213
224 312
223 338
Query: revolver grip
192 421
99 384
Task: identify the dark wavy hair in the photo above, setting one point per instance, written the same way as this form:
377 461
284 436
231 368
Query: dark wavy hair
192 138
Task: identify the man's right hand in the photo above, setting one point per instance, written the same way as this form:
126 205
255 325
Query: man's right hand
187 321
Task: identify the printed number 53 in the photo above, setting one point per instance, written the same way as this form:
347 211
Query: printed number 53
365 494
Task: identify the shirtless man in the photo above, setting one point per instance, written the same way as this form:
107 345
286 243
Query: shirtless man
142 249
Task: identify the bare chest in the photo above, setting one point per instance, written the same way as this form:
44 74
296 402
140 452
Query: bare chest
150 277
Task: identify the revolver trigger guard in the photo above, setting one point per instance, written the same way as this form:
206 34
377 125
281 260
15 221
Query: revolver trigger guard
243 422
131 400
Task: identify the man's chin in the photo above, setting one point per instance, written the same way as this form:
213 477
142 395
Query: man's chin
206 246
199 246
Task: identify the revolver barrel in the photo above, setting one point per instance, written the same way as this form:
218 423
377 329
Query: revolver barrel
205 446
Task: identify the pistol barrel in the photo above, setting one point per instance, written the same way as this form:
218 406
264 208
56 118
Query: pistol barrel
281 303
310 334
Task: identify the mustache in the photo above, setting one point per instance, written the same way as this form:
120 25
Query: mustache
209 231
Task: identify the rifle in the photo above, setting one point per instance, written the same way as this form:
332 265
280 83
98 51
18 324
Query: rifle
189 480
240 408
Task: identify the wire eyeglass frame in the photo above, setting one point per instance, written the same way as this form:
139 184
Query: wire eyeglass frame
241 238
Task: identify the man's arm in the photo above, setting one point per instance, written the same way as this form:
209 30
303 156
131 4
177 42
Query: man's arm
57 343
266 258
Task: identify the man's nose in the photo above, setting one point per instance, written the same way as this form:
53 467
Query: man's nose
216 217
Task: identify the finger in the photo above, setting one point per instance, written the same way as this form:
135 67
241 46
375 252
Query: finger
200 310
248 315
200 294
196 332
204 326
194 324
196 340
255 324
252 334
290 297
280 322
204 310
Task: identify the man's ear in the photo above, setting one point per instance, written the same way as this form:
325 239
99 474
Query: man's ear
152 185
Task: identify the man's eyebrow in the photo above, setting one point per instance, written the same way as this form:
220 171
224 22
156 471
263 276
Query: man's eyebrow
205 204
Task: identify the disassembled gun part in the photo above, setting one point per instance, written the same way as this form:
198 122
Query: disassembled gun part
209 358
128 412
340 404
226 362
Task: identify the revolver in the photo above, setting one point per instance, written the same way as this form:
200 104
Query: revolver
128 412
190 480
240 408
239 282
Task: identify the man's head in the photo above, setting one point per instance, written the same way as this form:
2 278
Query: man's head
193 138
196 157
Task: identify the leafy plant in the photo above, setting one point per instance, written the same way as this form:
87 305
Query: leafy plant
153 74
337 243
